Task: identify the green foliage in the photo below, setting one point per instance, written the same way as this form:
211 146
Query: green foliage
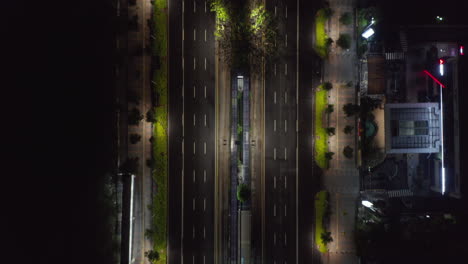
326 237
344 41
346 18
348 152
351 109
329 155
134 138
328 12
322 41
134 117
159 140
321 205
327 86
321 136
330 131
152 255
243 192
330 109
348 129
133 97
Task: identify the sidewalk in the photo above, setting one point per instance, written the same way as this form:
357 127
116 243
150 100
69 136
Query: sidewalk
342 178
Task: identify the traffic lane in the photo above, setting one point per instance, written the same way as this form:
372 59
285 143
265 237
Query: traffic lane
175 135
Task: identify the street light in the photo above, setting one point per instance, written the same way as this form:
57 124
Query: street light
369 32
367 204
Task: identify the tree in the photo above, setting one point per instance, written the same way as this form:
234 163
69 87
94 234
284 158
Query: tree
328 12
344 41
329 41
350 109
130 166
329 155
346 18
243 192
152 256
348 152
134 117
134 138
329 109
368 104
327 86
349 84
150 115
149 233
150 163
326 237
348 129
330 131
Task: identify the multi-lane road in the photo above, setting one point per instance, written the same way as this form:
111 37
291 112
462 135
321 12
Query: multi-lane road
192 132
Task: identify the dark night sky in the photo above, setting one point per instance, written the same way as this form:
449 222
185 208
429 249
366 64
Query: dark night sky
56 84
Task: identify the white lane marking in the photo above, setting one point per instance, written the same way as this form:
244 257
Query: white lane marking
205 120
297 125
285 97
193 232
194 34
286 40
182 119
193 175
205 35
193 203
274 69
286 14
274 97
183 62
285 126
204 147
204 232
194 91
183 6
194 63
204 175
205 6
203 259
285 154
205 63
193 259
285 239
194 120
274 182
182 147
194 147
285 210
205 91
274 210
275 10
274 238
285 183
274 153
204 204
194 6
285 69
274 125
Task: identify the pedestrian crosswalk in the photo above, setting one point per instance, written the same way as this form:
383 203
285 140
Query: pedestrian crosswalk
400 193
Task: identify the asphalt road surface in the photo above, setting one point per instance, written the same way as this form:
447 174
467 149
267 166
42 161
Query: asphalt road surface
280 139
191 86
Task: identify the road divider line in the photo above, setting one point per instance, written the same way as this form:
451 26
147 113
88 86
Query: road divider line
274 238
274 68
297 125
205 91
285 183
204 232
204 204
285 209
204 175
285 239
194 92
183 39
205 120
274 210
274 153
274 125
205 6
194 147
285 154
205 63
274 97
193 203
194 63
275 10
193 175
274 182
193 231
183 6
286 40
194 120
286 69
285 97
285 126
194 6
204 148
182 119
205 35
194 34
286 12
182 150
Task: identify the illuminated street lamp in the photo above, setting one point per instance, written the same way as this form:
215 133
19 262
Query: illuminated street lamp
367 204
369 32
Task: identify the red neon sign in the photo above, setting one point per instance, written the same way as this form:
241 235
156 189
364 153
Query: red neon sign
461 50
441 61
433 78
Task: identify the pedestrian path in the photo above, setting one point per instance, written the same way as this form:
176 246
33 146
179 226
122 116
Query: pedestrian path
342 178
